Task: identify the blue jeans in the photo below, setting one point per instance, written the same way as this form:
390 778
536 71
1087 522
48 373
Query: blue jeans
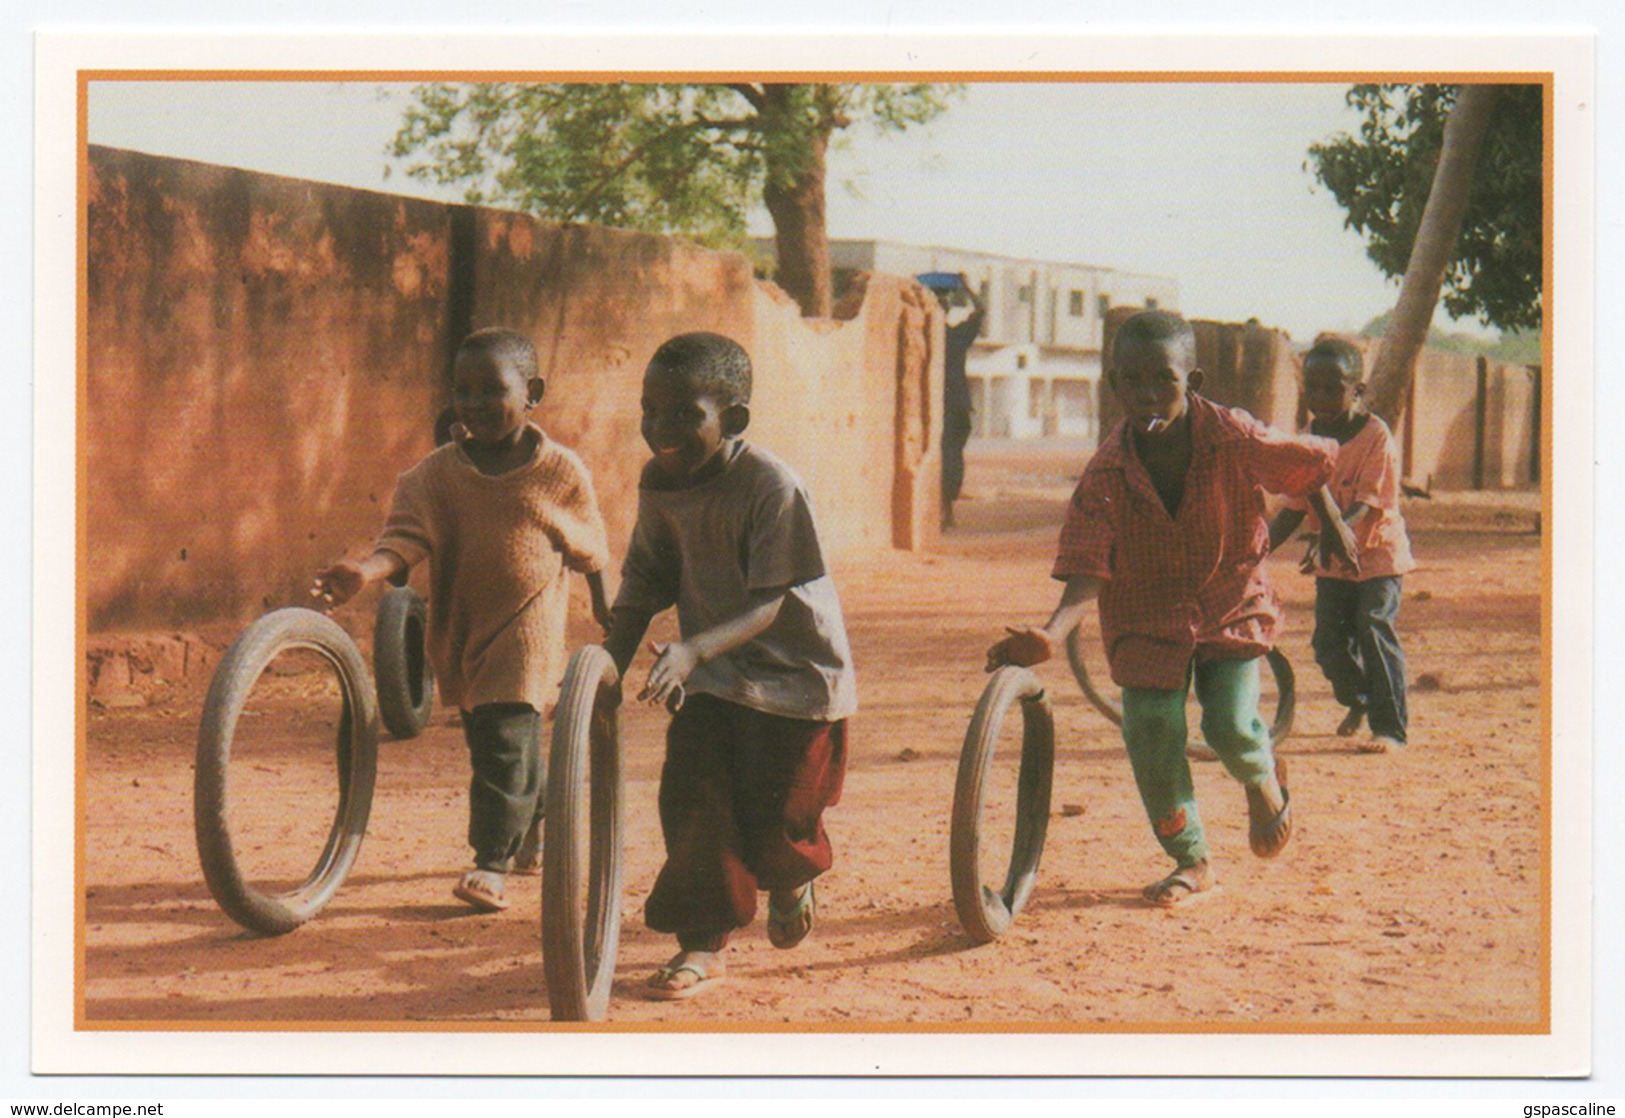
1358 649
1155 733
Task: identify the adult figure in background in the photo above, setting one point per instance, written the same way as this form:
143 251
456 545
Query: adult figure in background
965 314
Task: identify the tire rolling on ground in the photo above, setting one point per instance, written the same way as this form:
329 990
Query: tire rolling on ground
357 754
984 913
581 934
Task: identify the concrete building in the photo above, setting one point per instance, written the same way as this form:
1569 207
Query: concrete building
1036 368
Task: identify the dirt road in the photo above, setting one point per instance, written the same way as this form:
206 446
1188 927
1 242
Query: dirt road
1411 894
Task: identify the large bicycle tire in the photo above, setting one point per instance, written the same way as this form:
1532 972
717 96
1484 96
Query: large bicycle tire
357 756
579 942
983 913
400 660
1286 688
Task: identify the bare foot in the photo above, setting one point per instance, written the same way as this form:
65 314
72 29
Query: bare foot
1351 722
1180 886
687 974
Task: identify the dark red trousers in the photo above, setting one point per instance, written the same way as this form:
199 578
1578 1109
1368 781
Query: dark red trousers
742 796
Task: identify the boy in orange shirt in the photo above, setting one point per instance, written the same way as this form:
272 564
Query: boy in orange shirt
1355 642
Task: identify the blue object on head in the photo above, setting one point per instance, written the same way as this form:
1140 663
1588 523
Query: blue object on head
940 281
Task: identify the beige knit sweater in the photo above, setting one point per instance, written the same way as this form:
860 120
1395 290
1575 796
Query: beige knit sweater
498 548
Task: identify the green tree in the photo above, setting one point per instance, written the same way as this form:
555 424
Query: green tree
690 159
1516 347
1382 177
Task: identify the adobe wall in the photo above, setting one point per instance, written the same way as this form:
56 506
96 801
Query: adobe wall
266 355
1439 430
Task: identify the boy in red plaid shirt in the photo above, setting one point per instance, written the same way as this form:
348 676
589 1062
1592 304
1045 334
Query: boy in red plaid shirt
1167 528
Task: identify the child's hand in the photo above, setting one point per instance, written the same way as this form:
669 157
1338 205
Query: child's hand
672 666
337 584
605 616
1023 647
1311 559
1337 545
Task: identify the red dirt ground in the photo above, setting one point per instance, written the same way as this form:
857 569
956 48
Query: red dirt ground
1411 894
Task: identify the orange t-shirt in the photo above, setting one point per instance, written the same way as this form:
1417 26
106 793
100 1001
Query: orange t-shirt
1367 473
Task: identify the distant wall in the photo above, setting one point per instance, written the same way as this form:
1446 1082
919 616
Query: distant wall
1470 423
266 355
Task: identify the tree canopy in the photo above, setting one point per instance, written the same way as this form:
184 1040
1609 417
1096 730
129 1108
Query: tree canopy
1382 177
690 159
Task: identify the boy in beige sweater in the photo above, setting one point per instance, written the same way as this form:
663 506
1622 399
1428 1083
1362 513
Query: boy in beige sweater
501 514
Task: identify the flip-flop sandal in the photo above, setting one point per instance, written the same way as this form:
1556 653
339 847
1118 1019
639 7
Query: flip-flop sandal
790 927
1270 838
1179 887
475 889
703 981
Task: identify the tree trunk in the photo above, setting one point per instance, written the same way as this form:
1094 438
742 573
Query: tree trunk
1430 254
795 198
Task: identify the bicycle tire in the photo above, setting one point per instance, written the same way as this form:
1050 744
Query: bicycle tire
579 943
400 661
1286 702
983 913
357 754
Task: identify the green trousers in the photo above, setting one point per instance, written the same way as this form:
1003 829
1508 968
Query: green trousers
509 783
1155 732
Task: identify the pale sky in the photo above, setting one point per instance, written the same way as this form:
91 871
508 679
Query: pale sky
1202 182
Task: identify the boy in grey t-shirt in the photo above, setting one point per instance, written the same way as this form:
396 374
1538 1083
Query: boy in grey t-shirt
761 680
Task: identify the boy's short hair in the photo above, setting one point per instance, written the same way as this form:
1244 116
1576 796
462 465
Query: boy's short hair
502 344
1156 327
1344 354
717 366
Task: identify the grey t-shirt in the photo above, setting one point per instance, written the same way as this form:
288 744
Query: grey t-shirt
706 549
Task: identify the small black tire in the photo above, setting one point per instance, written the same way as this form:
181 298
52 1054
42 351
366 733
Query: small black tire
357 756
579 943
1111 711
1286 688
983 913
1286 695
400 660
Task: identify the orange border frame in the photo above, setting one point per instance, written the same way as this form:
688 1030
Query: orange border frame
1186 1028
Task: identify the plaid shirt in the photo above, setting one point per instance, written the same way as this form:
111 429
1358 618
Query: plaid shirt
1189 584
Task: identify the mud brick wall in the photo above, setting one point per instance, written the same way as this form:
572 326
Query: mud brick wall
265 355
1440 431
